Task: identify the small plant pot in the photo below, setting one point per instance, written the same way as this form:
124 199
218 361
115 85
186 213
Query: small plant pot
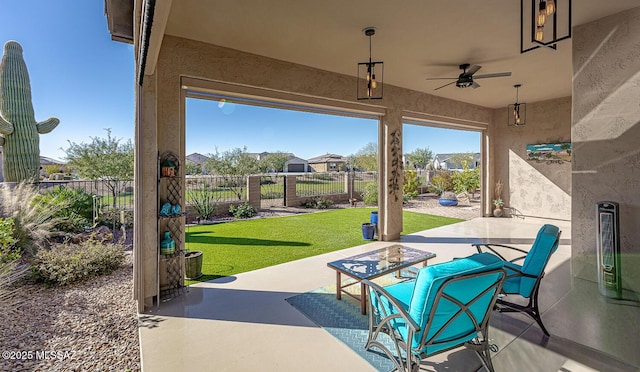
368 231
193 265
498 212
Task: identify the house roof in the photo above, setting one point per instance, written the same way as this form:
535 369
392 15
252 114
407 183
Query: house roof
327 158
197 158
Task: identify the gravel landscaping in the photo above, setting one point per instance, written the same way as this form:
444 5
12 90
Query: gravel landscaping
89 326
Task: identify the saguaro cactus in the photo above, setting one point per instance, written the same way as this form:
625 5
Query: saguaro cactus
19 131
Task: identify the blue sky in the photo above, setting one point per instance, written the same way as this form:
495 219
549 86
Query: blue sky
86 80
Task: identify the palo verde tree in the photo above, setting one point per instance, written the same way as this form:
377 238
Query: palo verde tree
274 162
104 159
232 165
420 158
366 159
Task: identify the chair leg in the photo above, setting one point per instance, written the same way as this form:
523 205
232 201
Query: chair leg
483 350
531 309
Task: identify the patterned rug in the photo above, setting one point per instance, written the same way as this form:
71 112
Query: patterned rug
343 320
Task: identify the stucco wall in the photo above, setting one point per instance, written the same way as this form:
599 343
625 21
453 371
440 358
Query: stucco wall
606 138
535 189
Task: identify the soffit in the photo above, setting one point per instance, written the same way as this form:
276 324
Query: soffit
416 39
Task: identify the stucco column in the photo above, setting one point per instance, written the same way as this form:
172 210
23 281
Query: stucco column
145 237
391 176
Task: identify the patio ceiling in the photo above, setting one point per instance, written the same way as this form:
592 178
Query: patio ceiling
416 39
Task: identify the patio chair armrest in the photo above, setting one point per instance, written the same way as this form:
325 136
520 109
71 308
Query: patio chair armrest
490 247
381 292
520 273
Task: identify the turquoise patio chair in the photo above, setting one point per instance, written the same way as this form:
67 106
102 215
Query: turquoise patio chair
446 306
524 280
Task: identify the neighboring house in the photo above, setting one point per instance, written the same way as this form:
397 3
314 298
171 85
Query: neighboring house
452 161
296 165
327 163
198 159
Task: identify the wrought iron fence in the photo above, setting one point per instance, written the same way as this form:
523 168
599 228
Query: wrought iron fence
124 198
316 184
219 188
361 179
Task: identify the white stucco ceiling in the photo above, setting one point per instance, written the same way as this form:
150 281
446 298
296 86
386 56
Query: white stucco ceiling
416 39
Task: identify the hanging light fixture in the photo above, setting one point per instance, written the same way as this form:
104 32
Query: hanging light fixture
546 29
516 112
370 79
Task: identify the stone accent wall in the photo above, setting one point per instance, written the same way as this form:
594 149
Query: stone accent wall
605 131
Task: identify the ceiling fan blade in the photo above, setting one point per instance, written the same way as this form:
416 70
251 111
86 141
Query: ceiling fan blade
497 74
453 82
447 78
475 85
473 69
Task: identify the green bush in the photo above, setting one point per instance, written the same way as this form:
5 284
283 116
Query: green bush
73 207
242 211
370 193
65 264
318 203
411 184
107 216
441 182
322 176
466 181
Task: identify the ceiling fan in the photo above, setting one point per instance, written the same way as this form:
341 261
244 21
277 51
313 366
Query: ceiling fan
466 78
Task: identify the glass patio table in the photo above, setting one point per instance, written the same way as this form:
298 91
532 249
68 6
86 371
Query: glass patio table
374 264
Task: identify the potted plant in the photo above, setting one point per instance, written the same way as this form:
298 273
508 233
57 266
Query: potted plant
448 199
497 202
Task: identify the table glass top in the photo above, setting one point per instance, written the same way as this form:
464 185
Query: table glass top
385 260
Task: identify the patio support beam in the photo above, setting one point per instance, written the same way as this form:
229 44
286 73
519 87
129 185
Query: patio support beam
390 175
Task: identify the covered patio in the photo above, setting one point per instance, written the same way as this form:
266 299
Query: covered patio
304 55
244 323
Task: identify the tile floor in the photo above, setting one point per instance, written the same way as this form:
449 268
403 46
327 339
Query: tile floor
243 323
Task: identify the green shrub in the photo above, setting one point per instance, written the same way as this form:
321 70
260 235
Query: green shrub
65 264
8 253
411 184
242 211
107 218
441 182
318 203
266 180
370 193
466 181
272 195
73 207
32 224
203 201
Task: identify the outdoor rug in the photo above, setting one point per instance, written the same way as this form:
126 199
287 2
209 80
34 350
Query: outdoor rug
343 320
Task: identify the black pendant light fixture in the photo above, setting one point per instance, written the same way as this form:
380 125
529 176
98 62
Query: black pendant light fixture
370 74
516 112
549 22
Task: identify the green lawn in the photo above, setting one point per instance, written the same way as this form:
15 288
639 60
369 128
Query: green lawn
240 246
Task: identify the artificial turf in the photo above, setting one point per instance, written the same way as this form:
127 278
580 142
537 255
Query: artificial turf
244 245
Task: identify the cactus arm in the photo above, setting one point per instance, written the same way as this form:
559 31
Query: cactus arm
47 125
6 128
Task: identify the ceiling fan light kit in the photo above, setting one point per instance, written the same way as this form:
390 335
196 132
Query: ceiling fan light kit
370 74
516 112
466 78
543 22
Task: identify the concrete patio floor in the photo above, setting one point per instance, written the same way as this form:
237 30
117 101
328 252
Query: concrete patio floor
243 323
